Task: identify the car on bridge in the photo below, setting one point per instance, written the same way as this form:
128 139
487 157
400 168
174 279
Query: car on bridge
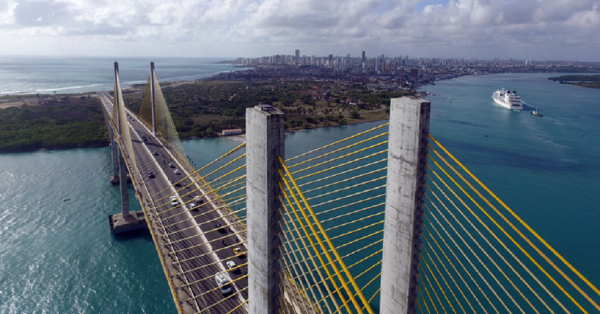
171 165
173 200
176 171
155 153
198 199
150 174
193 206
220 228
223 282
232 266
238 252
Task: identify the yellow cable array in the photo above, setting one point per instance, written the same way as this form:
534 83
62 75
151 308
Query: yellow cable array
340 157
337 289
438 284
562 259
337 142
346 171
312 244
422 296
463 254
338 150
444 279
503 245
447 272
474 254
527 254
326 237
344 164
429 295
485 239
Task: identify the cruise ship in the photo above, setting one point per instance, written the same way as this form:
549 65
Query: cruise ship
508 99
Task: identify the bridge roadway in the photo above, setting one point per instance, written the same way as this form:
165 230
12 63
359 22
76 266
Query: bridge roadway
197 268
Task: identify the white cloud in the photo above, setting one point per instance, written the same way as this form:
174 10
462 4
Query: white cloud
459 28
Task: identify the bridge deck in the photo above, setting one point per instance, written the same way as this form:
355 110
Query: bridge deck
199 256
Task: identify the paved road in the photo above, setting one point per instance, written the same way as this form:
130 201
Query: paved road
151 156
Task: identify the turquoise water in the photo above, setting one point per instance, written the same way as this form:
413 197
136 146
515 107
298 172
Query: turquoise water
58 256
46 75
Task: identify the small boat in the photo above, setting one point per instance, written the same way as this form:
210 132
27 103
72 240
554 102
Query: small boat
536 113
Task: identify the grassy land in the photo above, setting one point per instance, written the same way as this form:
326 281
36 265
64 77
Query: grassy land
589 81
53 123
199 109
205 108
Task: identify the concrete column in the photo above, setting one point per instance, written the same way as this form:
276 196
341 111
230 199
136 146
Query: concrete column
123 184
114 149
264 142
116 98
154 131
407 161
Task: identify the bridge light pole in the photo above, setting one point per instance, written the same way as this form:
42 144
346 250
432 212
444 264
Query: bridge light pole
407 166
264 143
154 131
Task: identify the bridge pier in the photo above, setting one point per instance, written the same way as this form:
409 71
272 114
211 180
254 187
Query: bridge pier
264 143
407 167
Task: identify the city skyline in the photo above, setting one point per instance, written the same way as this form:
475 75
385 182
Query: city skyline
482 29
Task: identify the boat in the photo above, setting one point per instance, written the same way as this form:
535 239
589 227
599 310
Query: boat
536 113
508 99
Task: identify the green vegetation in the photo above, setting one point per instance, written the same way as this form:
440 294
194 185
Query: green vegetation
205 108
64 122
590 81
199 109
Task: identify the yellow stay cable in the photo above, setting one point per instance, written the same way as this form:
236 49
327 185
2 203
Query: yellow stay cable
484 238
525 252
429 295
344 164
459 262
562 259
462 253
326 237
337 142
338 150
472 252
423 297
340 157
438 284
447 272
313 232
504 246
337 289
444 279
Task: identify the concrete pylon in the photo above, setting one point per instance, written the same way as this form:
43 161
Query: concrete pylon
264 143
123 185
154 131
407 167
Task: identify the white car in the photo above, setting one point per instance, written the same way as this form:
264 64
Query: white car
176 171
173 200
223 282
231 265
192 205
198 199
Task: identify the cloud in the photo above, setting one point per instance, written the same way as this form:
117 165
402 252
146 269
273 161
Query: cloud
459 28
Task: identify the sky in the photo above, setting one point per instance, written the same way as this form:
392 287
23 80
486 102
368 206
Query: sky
484 29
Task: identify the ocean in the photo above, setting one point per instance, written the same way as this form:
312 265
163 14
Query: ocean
47 75
57 255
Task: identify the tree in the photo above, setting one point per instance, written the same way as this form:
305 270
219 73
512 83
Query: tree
355 115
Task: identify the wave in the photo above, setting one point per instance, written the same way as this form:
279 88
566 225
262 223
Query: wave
109 85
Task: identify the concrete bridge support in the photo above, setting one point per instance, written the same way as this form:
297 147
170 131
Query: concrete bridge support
265 142
123 184
154 130
407 167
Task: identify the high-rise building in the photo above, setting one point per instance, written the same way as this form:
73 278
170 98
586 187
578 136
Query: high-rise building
364 58
297 56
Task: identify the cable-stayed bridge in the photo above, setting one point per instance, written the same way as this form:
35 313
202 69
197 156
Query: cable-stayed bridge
384 221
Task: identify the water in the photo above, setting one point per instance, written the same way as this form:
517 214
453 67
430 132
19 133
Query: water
59 257
46 75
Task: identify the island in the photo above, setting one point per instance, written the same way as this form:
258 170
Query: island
589 81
